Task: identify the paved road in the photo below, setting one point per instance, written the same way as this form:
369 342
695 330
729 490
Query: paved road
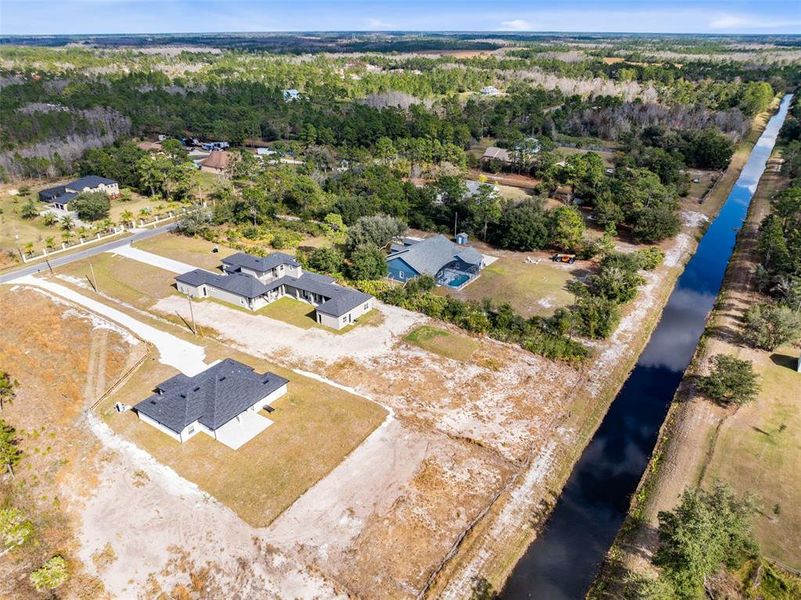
59 261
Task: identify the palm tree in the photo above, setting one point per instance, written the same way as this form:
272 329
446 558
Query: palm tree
50 242
127 217
28 248
67 223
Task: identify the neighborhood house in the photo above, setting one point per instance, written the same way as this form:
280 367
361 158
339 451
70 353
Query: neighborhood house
254 282
60 196
223 401
450 264
495 153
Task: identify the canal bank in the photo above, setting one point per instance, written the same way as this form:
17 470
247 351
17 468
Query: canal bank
564 558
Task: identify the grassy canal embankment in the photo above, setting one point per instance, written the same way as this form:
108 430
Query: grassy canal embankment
754 449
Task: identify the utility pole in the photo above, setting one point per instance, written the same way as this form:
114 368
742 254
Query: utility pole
94 279
192 314
49 266
455 223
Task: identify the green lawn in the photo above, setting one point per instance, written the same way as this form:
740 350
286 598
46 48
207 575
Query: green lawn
315 426
758 452
530 289
302 315
442 342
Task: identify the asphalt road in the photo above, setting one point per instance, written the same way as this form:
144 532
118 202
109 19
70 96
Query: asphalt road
59 261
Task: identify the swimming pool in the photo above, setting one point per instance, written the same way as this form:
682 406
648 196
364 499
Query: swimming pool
458 281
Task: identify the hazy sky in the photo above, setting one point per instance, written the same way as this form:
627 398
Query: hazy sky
151 16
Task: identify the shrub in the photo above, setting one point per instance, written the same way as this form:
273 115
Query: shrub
367 262
708 530
650 258
92 206
732 380
596 317
51 574
325 260
769 326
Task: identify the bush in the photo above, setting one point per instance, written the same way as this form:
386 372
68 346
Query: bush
617 278
500 323
596 317
325 260
280 241
367 262
650 258
732 380
768 326
92 206
50 575
707 531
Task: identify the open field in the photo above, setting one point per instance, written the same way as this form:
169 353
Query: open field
75 359
755 449
129 280
87 489
195 251
531 289
314 427
445 343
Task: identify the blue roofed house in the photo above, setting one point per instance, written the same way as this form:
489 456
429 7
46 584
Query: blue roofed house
253 282
223 402
450 264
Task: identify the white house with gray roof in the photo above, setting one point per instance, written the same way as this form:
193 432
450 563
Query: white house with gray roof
449 264
253 282
223 402
60 196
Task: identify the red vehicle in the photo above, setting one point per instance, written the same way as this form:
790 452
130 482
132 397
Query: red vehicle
564 258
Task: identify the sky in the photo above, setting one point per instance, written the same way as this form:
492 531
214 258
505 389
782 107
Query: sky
196 16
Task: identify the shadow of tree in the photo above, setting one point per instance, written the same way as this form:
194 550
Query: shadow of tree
784 360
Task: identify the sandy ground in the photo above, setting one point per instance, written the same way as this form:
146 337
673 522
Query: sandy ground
165 516
184 356
263 336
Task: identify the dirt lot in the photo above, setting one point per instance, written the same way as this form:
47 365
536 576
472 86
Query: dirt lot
59 469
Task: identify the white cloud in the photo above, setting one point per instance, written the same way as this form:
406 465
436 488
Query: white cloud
517 25
743 22
375 23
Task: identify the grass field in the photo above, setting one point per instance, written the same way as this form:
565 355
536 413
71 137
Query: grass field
758 452
315 426
129 280
192 250
302 315
442 342
530 289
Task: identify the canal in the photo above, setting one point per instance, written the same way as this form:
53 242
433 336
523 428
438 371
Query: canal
563 560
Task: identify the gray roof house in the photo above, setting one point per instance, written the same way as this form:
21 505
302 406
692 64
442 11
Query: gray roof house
61 195
253 282
450 264
223 401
